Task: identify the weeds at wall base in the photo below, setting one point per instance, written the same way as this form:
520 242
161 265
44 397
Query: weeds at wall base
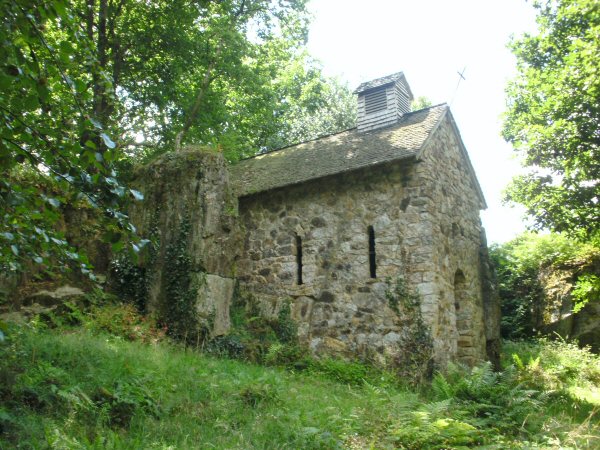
415 362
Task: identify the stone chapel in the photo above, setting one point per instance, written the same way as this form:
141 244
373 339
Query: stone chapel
327 225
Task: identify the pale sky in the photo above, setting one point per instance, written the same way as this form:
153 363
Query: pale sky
431 41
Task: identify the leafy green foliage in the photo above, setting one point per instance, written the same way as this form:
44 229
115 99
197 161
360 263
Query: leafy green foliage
129 280
326 106
124 321
555 365
473 407
587 289
102 313
54 150
285 328
83 82
349 372
29 234
553 117
420 103
518 264
124 400
256 338
497 399
233 74
420 429
274 342
259 394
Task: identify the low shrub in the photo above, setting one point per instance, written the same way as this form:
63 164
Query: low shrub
124 320
103 313
291 355
225 347
496 400
420 429
553 364
348 372
124 400
259 394
256 338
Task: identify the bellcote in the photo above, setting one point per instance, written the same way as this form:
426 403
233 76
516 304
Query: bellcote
382 102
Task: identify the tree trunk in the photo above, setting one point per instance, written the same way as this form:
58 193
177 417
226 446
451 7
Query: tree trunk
100 101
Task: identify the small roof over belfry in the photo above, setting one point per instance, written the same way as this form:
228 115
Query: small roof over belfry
384 81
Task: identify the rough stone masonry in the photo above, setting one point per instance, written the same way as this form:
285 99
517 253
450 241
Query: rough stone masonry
331 224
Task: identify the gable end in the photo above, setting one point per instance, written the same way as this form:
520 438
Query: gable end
447 115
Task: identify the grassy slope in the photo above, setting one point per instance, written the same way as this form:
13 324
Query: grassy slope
79 390
203 402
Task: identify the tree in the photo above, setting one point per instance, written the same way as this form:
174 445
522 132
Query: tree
201 72
321 107
53 147
420 103
85 83
553 117
527 270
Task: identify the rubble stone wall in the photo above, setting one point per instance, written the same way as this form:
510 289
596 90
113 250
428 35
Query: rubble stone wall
425 218
333 248
454 298
187 196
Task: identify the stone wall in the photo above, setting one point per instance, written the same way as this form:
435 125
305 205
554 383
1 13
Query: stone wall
427 231
187 196
453 298
340 308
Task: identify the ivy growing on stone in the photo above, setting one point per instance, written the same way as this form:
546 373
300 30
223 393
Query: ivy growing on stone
285 328
179 312
129 278
415 362
129 281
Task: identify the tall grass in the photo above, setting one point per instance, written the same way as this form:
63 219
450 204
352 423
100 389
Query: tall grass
80 388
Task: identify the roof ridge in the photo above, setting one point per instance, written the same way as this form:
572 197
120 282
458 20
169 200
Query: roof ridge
340 132
430 107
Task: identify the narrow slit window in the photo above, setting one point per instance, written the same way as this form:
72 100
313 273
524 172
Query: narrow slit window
372 264
299 259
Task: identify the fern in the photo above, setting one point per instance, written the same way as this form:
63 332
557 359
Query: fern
492 399
438 409
518 361
441 388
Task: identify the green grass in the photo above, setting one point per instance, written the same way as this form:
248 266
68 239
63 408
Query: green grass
178 399
70 389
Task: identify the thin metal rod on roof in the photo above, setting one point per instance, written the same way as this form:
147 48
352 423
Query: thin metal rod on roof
461 77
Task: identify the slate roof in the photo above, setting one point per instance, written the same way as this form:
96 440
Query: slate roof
337 153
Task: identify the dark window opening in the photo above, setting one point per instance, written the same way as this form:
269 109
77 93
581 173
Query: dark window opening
299 259
372 265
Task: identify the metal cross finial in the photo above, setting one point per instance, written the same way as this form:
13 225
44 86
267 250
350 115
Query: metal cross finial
461 77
